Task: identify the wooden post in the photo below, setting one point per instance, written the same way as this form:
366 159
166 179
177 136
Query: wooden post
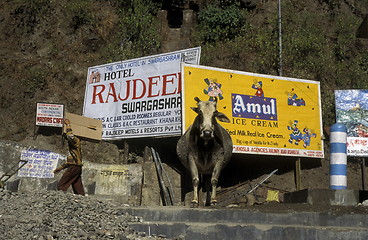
35 132
147 155
298 172
363 173
126 153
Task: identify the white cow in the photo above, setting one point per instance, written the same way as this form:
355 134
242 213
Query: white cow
206 147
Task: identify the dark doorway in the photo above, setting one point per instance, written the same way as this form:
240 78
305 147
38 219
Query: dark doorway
175 18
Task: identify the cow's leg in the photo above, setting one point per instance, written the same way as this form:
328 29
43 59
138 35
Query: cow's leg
195 181
214 181
207 183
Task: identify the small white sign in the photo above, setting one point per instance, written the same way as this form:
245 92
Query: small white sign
50 115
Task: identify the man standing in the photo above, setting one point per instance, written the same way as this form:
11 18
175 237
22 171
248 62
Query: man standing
73 174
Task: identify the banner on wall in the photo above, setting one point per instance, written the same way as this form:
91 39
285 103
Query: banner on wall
40 163
269 115
352 111
138 97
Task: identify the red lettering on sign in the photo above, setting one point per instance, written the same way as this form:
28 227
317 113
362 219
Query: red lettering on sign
97 94
155 86
153 81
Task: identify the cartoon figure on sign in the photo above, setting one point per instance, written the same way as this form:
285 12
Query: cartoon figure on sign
214 89
95 77
258 85
295 135
307 136
293 99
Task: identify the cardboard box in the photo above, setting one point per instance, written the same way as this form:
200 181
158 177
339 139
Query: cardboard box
84 126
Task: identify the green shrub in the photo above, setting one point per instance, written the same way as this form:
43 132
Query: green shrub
79 14
28 14
35 81
218 23
138 33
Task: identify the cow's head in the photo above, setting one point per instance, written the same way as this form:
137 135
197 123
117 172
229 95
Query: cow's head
207 114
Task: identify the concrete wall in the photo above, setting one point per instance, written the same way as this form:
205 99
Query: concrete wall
99 179
134 184
151 192
174 39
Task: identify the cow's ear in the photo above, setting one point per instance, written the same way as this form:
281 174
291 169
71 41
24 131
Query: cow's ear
195 109
222 117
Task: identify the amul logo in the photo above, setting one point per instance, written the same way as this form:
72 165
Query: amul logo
250 106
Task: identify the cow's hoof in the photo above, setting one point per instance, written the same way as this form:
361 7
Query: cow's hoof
194 204
213 203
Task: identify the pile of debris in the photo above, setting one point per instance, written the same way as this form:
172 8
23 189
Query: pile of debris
58 215
244 194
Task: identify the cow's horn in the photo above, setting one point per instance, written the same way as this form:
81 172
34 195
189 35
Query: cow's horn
197 99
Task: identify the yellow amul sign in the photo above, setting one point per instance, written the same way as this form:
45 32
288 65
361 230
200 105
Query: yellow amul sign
269 114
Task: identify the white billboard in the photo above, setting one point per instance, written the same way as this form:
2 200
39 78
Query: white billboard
138 97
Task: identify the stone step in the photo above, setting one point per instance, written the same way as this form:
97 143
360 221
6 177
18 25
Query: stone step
231 231
174 222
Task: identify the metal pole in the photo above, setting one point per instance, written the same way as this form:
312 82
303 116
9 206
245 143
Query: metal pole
280 41
258 184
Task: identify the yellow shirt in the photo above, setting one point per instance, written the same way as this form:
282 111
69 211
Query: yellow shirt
74 145
75 150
